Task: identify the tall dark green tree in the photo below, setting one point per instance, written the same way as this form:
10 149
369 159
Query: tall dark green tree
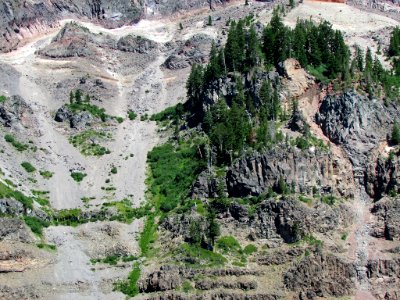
394 46
194 87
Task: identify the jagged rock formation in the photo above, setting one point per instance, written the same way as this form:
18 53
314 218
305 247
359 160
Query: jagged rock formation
15 112
382 176
387 211
194 50
357 123
77 120
321 275
302 171
20 20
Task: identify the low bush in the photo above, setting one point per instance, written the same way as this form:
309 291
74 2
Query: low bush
28 167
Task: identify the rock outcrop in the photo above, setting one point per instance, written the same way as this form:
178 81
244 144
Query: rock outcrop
357 123
321 275
383 176
15 112
77 120
305 172
387 211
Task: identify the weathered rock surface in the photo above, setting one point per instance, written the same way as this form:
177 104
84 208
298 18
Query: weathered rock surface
20 20
194 50
15 112
321 275
290 219
14 229
77 120
357 123
384 277
303 171
383 176
137 44
387 211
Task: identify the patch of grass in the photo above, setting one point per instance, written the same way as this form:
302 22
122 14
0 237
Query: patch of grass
312 241
250 249
46 174
148 236
330 199
28 167
169 114
228 244
197 257
119 119
187 286
129 287
78 176
7 192
16 144
88 142
36 225
344 236
304 199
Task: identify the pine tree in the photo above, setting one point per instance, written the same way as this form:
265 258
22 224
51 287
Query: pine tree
78 96
213 69
394 46
194 86
71 97
368 61
253 56
396 134
209 21
360 59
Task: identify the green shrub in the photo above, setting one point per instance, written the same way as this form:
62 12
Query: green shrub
46 174
28 167
35 224
46 246
3 99
119 119
16 144
187 286
330 199
344 236
173 171
114 170
132 115
250 249
87 142
78 176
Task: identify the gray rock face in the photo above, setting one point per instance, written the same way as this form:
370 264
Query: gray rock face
11 207
357 123
15 112
304 171
382 176
384 277
136 44
387 212
194 50
321 276
79 120
290 219
14 229
20 18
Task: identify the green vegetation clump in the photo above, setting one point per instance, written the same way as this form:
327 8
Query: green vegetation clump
228 244
329 199
250 249
16 144
78 176
129 287
36 225
173 170
47 246
132 115
3 98
28 167
46 174
395 134
114 170
87 142
197 257
7 192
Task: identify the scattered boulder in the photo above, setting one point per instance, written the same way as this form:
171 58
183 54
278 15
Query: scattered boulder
136 44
